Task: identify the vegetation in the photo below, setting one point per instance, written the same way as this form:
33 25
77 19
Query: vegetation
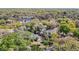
39 29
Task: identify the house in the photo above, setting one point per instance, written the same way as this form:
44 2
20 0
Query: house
25 19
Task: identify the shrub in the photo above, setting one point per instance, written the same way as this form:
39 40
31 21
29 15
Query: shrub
36 48
46 22
64 28
76 32
71 25
55 35
2 21
67 25
45 42
18 24
14 42
69 44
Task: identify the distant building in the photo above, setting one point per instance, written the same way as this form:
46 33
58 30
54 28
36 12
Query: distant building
25 19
